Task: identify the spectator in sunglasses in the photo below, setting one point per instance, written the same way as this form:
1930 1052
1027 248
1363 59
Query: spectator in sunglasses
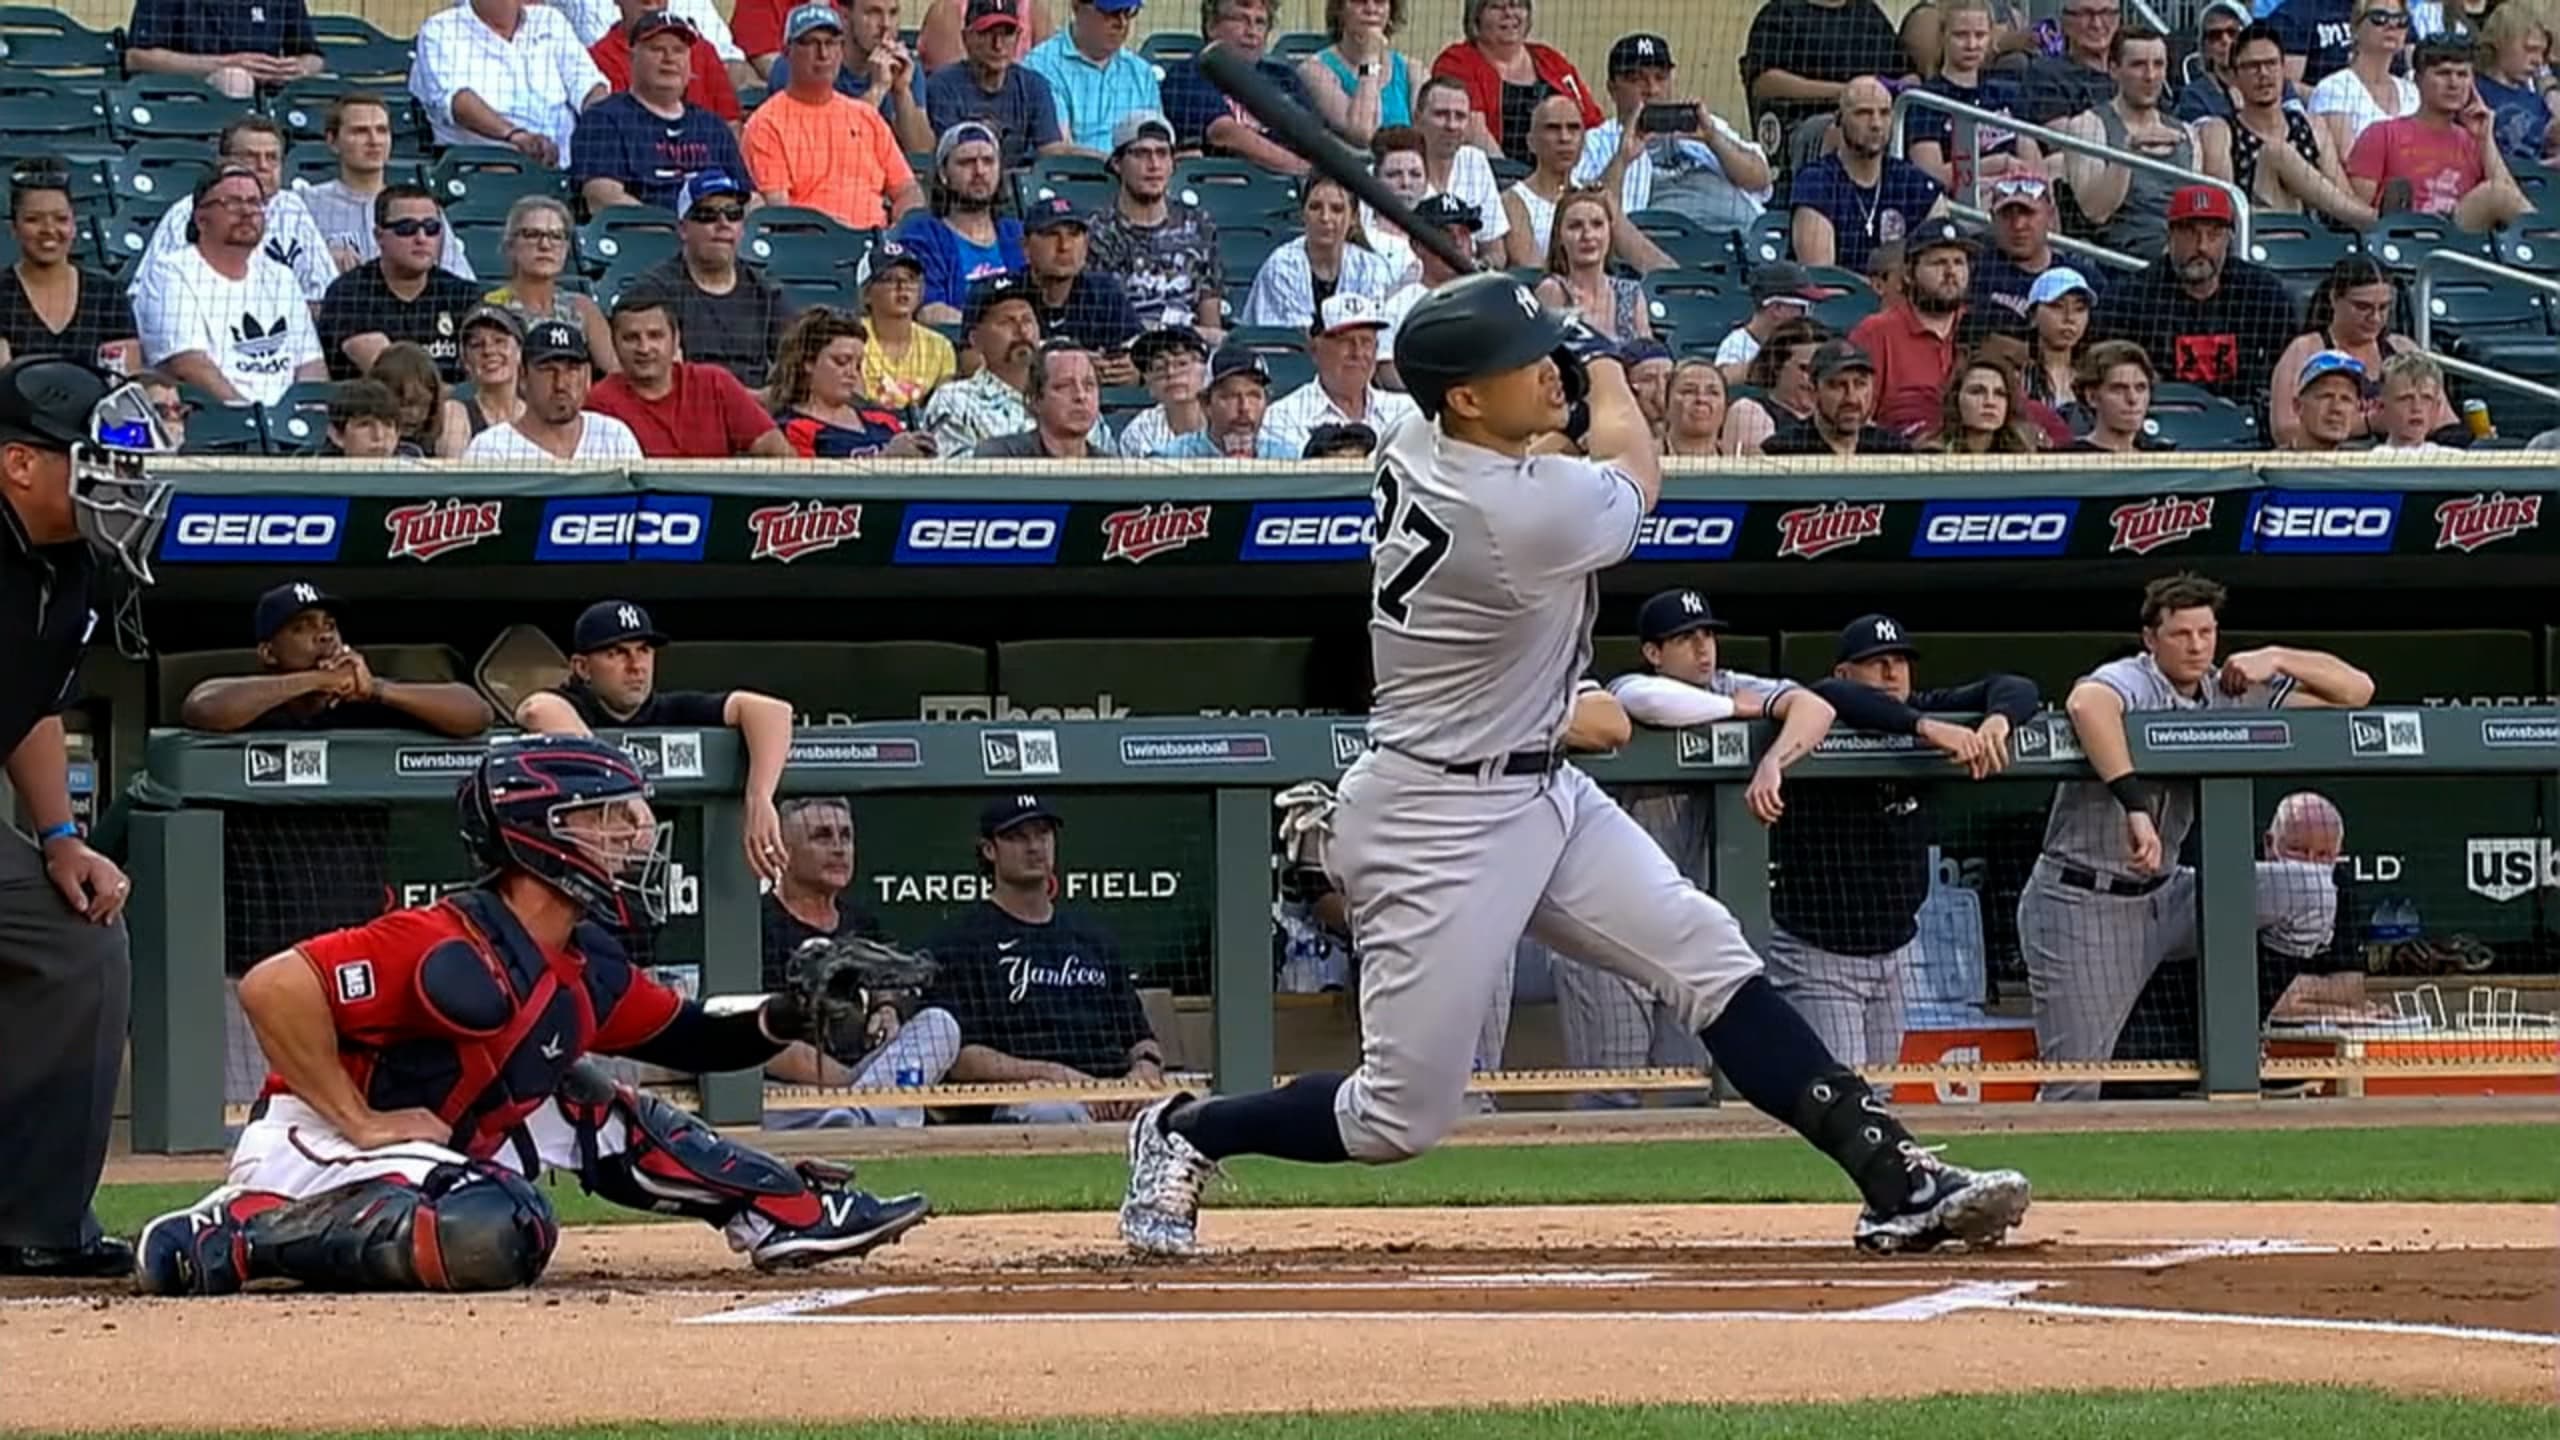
2364 86
401 294
731 314
95 319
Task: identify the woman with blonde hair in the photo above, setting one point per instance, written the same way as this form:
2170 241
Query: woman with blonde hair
493 360
1360 83
541 242
429 418
1578 275
1693 420
817 396
2513 77
1984 412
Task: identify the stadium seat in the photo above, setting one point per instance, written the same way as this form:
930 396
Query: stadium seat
1164 677
1684 239
628 237
832 682
153 174
1232 191
2193 418
2531 245
40 37
1088 193
796 240
312 162
1170 47
217 428
1843 311
89 182
50 120
124 235
378 63
482 174
1770 237
2296 247
1243 248
346 29
302 108
299 422
2475 307
1693 312
835 289
2398 241
484 242
169 107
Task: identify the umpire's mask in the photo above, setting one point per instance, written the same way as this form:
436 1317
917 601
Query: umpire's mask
121 508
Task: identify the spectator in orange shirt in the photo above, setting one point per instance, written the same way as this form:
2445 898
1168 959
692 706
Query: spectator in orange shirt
678 411
811 146
1913 339
708 89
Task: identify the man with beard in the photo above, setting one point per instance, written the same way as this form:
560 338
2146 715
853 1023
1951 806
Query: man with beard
555 424
292 237
221 314
1239 395
962 240
2206 316
2129 207
731 315
1004 328
1848 204
2269 147
1164 251
1913 340
1844 404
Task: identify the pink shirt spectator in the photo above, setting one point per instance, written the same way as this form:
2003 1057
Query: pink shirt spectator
2440 162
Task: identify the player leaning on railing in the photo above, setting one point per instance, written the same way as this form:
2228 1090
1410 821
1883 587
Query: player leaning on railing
429 1064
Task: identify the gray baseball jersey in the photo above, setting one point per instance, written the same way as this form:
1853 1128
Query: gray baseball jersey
2297 906
1486 566
1482 597
2086 827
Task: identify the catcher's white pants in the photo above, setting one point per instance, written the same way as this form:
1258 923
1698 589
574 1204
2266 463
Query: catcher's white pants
1444 873
291 1151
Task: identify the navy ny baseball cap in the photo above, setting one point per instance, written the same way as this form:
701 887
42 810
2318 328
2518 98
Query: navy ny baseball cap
996 289
610 622
1235 361
1639 52
1871 635
554 340
1006 811
1448 211
277 607
1673 613
1052 212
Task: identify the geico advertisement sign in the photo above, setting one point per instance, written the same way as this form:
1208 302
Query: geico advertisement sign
969 887
2302 522
1995 529
980 534
671 527
243 529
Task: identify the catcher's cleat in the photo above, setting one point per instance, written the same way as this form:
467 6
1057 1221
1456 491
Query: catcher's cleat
1161 1213
201 1250
1948 1204
850 1223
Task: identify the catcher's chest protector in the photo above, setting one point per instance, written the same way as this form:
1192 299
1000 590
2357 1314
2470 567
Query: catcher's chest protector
512 1020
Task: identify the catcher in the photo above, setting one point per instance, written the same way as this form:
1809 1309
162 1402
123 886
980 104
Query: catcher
429 1064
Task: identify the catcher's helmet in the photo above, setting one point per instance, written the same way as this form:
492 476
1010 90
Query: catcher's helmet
515 812
1476 325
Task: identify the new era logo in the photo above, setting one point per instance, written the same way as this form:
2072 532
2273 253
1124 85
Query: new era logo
354 980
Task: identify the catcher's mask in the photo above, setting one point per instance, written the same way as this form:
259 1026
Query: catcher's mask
573 812
109 432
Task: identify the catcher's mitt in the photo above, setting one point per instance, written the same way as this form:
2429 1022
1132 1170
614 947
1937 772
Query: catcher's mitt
832 986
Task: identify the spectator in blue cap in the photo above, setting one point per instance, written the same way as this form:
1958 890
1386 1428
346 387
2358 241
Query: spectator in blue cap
1076 302
2329 403
1238 397
731 315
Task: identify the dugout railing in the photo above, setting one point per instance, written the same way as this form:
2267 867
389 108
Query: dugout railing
177 815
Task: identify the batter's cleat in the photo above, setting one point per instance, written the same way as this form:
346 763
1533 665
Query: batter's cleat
850 1223
1949 1205
1161 1213
201 1250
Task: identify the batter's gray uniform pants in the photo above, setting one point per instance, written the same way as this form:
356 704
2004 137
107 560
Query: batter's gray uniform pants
65 985
2088 955
1444 872
1854 1002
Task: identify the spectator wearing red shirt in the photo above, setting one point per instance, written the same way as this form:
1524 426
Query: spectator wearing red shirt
2444 156
1507 74
679 411
1913 340
709 89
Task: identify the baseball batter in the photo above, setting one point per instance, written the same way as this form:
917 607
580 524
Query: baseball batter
2104 901
429 1064
1462 827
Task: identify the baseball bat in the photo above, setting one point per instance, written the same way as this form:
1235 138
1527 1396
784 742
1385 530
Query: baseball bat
1303 131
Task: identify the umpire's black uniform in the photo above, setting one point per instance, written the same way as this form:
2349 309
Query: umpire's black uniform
65 982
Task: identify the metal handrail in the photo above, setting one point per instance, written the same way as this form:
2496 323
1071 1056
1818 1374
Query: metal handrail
1898 146
2424 330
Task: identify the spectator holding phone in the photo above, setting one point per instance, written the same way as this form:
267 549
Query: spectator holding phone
1655 153
2443 159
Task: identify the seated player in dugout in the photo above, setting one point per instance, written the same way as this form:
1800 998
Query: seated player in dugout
613 684
1849 869
809 903
1684 686
1037 989
431 1063
314 680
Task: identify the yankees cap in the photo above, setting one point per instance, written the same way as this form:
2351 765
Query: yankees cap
1006 811
277 607
1448 211
1871 635
554 340
1234 361
1639 51
607 623
1675 612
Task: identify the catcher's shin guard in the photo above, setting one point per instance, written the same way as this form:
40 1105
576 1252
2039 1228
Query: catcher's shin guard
672 1162
470 1226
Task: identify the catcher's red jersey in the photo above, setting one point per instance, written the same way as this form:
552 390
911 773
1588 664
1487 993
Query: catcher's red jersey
453 1008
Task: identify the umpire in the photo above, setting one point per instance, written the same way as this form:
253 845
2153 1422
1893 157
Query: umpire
65 976
1851 857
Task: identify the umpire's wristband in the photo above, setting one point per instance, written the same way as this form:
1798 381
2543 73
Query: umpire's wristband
2129 794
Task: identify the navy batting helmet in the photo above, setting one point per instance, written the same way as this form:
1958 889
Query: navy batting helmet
1473 326
553 807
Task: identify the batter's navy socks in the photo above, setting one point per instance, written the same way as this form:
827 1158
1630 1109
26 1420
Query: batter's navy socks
1778 1064
1294 1122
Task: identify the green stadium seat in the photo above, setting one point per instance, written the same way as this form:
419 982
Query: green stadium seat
155 174
40 37
1166 677
89 182
1083 179
2475 306
2192 418
484 242
1769 237
835 289
49 121
1170 47
831 682
790 240
1616 655
2532 245
219 428
379 63
2398 241
169 107
628 237
310 162
486 174
1684 239
299 421
1243 248
2296 247
1233 189
1688 308
332 30
182 672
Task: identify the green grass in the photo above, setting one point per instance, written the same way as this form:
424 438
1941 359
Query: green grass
2252 1413
2413 1164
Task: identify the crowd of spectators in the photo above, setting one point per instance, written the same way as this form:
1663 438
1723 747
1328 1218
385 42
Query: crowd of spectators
1014 244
